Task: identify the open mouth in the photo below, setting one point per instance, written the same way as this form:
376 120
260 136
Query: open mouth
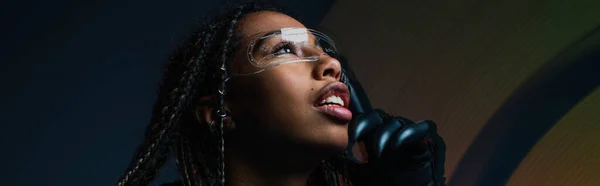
334 94
334 101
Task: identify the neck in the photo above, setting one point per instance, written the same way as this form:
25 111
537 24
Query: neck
264 166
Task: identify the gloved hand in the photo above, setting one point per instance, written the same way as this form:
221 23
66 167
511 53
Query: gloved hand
400 151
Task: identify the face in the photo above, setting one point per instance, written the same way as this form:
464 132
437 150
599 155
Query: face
283 105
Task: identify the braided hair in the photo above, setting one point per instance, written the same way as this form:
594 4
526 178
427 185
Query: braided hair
197 69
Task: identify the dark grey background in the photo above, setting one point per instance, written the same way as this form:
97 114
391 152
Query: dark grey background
79 80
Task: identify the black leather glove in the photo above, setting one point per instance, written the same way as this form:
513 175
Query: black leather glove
400 151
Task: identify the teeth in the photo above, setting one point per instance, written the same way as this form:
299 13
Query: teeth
333 100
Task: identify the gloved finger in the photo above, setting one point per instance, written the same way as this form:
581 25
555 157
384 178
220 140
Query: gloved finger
381 137
363 125
410 134
404 121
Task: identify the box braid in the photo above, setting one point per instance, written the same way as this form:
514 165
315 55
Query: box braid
198 68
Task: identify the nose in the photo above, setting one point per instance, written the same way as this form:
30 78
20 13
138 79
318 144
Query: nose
327 68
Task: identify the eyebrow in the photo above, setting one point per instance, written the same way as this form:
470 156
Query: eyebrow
261 41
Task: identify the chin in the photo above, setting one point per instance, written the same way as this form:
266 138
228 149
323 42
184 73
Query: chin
333 143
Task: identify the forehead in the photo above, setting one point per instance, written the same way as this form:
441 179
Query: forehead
266 21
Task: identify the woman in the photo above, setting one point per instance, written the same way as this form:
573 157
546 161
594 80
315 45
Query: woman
255 98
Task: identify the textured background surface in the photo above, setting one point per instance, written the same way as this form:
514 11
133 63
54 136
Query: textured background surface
458 62
569 154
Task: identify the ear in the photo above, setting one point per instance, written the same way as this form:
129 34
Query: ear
205 112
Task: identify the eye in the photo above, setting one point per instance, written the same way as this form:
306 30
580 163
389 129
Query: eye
284 48
283 51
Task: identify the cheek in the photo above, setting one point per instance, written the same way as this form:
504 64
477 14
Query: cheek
276 98
291 85
286 92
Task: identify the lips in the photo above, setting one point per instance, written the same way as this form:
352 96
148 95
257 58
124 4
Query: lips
337 112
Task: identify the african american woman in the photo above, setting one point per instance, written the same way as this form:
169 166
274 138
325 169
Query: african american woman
257 98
